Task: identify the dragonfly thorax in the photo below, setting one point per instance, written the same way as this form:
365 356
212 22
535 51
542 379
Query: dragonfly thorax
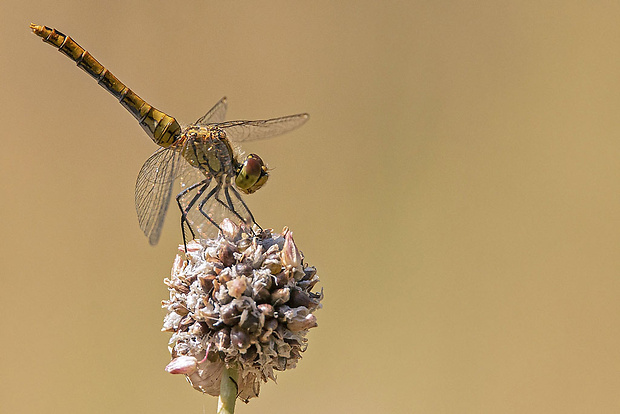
207 149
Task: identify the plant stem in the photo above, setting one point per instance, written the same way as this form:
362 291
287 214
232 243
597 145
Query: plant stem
228 391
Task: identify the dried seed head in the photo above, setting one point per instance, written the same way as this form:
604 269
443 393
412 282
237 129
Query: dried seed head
246 298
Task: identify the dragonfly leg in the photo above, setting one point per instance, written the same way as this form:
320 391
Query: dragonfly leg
245 206
229 205
185 210
212 193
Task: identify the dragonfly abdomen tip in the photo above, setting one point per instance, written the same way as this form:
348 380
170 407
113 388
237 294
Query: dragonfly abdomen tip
38 30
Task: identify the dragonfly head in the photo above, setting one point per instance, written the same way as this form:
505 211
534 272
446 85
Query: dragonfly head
251 175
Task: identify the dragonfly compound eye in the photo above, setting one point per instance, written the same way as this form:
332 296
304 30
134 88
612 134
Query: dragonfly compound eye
252 175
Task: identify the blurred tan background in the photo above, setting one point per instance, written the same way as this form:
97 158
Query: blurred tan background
457 187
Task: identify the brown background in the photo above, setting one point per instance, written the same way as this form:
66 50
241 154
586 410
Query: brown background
457 187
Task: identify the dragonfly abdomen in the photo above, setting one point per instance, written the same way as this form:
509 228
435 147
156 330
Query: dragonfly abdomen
163 129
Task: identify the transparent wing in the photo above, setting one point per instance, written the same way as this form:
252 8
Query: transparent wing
153 190
215 115
239 131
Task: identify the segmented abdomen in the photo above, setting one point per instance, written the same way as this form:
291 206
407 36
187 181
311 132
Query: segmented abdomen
163 129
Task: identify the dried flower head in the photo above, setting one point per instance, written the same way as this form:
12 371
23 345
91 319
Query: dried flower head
239 300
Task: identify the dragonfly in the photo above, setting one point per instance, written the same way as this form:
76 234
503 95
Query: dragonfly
213 174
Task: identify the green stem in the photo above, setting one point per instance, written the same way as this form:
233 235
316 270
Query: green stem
228 391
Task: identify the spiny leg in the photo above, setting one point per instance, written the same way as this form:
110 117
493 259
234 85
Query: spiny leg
184 211
245 206
230 206
215 191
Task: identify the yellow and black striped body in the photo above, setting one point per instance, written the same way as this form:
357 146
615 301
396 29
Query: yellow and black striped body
163 129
